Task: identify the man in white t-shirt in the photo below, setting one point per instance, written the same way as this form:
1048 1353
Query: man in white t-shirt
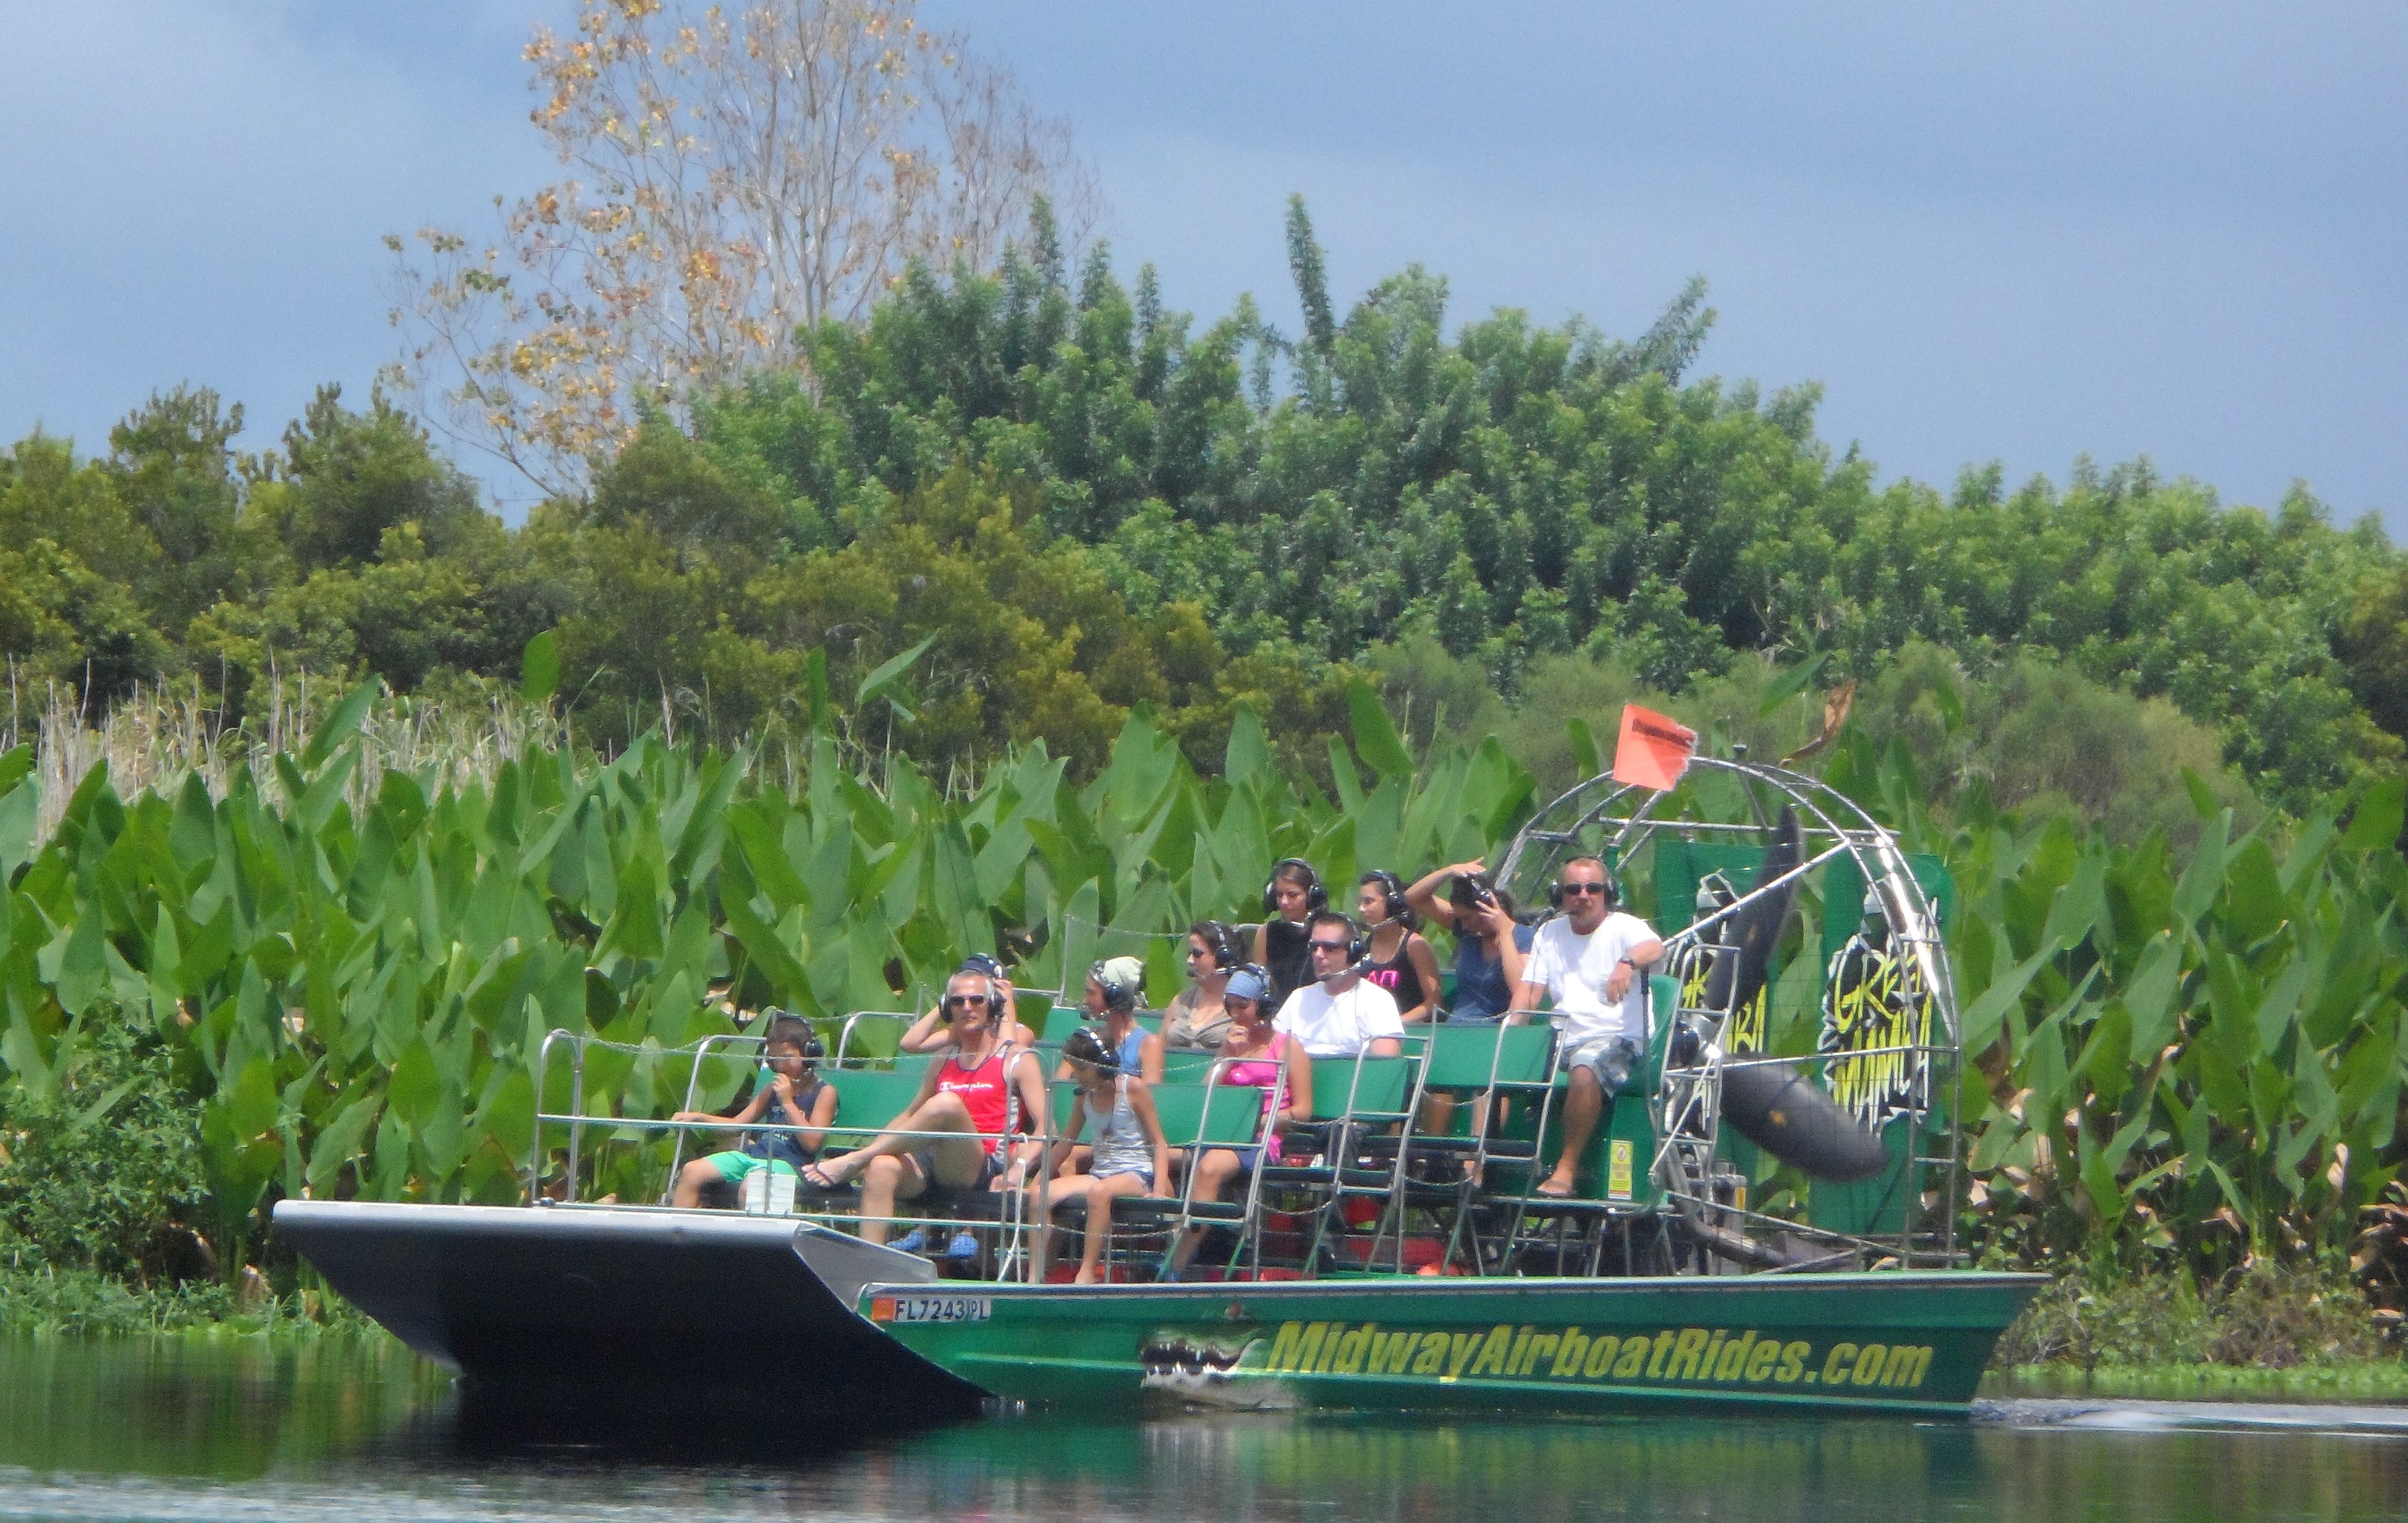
1590 962
1339 1014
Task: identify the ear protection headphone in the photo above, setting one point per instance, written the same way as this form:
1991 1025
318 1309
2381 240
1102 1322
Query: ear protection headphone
1249 982
1392 894
1220 940
994 998
1085 1046
1316 897
785 1026
1358 941
1116 996
1613 889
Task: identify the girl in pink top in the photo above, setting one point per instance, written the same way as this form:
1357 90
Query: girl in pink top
1252 1055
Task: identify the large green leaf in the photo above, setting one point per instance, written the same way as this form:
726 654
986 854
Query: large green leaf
339 725
1376 739
539 669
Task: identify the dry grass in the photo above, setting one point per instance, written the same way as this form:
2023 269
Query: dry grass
157 738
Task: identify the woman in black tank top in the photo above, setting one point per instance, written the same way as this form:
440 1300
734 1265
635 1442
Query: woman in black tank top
1401 960
1282 943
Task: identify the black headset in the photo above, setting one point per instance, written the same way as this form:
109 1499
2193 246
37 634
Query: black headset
993 995
1112 1001
1613 889
1315 897
1392 894
1358 941
1085 1046
1221 940
807 1042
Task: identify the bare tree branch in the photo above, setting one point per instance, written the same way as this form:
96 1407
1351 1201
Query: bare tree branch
734 176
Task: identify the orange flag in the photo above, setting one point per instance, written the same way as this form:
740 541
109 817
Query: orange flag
1654 751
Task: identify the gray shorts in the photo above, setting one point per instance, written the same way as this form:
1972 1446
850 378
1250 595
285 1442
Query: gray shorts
1611 1058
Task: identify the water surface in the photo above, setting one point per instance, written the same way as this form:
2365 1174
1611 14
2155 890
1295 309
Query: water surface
357 1430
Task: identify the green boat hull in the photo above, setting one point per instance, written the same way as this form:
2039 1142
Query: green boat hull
1883 1341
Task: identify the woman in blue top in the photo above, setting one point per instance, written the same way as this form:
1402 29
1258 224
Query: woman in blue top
1489 943
1489 946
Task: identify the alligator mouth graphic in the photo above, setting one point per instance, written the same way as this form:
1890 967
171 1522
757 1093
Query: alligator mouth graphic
1206 1371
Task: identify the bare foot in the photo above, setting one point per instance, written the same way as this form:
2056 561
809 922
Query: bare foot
1084 1276
1558 1187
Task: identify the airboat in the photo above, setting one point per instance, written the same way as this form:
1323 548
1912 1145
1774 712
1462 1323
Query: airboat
1768 1220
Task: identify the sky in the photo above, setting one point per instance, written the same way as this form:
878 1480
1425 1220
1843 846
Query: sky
2026 236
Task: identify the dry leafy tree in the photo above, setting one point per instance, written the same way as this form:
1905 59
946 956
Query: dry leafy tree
734 174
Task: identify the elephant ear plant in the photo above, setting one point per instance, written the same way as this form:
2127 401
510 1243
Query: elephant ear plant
348 982
331 974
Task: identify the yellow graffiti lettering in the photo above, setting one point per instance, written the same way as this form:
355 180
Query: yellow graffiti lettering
1493 1352
1570 1349
1706 1360
1835 1365
1513 1361
1869 1364
1907 1367
1760 1361
1733 1360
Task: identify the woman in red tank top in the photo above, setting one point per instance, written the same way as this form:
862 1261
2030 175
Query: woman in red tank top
953 1134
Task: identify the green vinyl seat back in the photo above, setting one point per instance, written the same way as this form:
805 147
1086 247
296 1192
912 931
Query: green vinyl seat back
1060 1022
1467 1058
1209 1115
869 1099
1365 1088
1186 1068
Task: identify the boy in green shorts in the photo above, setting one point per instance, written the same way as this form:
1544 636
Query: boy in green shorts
792 1095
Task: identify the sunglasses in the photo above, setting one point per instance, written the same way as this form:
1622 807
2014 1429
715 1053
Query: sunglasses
1570 889
963 1001
1332 946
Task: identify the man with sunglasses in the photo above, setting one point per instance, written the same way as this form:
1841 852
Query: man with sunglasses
1339 1015
1591 963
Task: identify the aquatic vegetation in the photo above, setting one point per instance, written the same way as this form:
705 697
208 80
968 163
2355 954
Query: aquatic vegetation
2178 1063
354 985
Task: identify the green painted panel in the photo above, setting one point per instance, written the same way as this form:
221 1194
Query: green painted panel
1886 1342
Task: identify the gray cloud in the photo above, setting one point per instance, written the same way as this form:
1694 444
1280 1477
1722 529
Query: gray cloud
2060 229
